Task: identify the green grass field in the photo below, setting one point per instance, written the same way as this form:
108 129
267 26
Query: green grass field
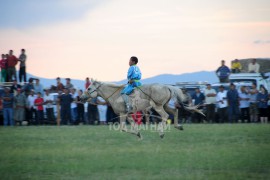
205 151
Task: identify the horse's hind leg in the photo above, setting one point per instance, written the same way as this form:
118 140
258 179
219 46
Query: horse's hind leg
164 117
175 116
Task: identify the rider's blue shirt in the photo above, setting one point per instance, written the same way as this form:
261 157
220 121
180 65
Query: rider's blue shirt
134 73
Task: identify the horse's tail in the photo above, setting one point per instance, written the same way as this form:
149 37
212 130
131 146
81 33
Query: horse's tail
180 97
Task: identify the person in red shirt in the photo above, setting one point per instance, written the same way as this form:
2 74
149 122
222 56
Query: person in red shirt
3 66
11 63
87 82
39 101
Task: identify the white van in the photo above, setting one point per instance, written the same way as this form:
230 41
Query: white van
250 78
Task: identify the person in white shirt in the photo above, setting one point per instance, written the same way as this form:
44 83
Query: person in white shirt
210 101
244 104
102 110
31 108
253 67
74 111
222 104
48 104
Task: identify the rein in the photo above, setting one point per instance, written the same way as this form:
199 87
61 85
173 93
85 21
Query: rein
114 92
106 99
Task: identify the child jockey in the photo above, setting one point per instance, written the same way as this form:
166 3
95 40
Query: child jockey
134 75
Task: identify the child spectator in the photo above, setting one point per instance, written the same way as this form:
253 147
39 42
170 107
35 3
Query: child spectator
39 101
3 65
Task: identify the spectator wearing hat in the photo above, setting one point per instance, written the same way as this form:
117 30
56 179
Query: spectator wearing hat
223 72
222 104
15 86
68 84
20 103
48 102
31 112
65 100
236 66
210 101
38 87
39 101
59 85
3 65
11 63
74 110
8 107
22 71
233 103
87 82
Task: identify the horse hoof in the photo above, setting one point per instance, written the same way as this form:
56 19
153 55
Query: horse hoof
179 127
162 136
139 136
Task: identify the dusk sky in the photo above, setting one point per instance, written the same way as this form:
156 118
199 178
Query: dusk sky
96 38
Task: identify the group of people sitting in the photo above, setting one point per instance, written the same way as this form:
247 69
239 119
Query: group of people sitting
223 72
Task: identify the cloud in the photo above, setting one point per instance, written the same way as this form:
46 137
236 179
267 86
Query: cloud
262 42
25 14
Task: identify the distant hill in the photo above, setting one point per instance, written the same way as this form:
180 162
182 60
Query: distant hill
46 82
208 76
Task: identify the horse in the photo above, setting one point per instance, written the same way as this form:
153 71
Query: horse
156 96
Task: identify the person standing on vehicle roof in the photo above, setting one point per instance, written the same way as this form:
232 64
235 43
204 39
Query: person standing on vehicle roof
223 72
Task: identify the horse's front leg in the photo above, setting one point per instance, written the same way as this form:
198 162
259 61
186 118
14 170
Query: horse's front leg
123 126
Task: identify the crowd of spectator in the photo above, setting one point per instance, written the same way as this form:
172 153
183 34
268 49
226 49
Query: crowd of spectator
30 102
36 105
230 105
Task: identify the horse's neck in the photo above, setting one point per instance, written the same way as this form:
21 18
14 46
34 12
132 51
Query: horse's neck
110 93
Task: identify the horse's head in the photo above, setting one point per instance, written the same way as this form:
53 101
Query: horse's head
91 91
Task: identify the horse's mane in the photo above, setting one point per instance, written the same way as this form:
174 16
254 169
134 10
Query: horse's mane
113 85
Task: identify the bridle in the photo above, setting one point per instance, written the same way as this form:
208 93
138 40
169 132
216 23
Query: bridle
89 93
